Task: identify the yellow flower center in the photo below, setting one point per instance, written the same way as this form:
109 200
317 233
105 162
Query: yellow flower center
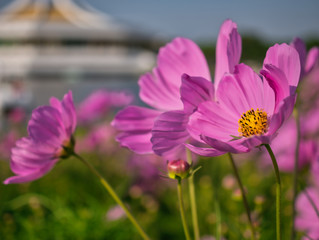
61 152
253 123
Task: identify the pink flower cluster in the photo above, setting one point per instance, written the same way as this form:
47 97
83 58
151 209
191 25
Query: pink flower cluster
239 111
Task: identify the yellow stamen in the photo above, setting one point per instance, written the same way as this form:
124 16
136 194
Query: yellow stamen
61 152
253 123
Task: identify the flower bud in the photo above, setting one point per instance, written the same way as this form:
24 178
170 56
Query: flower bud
178 169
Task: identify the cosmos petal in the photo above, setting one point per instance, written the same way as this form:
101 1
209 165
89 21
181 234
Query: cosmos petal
300 46
202 151
228 50
160 89
230 146
138 142
284 110
36 174
136 124
135 118
195 90
212 121
285 58
277 81
67 111
169 131
241 91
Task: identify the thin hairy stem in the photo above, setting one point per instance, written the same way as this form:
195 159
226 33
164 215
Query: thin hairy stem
278 190
182 209
242 190
295 173
110 190
192 197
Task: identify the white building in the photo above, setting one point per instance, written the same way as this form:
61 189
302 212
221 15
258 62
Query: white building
50 46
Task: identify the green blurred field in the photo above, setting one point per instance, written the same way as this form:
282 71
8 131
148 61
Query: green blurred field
70 203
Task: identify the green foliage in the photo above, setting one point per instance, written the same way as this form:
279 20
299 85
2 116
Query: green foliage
70 203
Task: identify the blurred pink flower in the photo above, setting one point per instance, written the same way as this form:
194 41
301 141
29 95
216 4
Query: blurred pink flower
16 115
308 96
309 124
115 213
50 132
98 103
146 172
7 143
307 219
308 61
161 90
99 138
314 168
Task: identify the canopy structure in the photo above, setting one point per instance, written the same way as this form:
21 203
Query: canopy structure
27 20
41 38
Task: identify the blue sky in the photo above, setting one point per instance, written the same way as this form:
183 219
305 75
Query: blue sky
272 20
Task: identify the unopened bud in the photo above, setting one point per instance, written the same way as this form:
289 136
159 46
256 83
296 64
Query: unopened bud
178 169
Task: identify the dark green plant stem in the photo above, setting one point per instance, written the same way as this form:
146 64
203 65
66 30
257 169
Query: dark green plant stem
295 173
242 190
312 202
182 209
278 190
309 238
110 190
192 197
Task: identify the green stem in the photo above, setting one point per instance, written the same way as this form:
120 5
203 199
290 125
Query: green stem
311 202
193 199
218 220
182 210
193 207
295 173
278 190
114 196
253 234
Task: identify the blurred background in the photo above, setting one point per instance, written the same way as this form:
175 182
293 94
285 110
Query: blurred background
48 47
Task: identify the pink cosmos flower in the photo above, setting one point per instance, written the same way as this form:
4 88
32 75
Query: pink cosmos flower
50 135
307 219
99 103
248 110
161 90
170 128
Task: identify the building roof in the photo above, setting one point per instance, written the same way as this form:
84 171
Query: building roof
63 20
